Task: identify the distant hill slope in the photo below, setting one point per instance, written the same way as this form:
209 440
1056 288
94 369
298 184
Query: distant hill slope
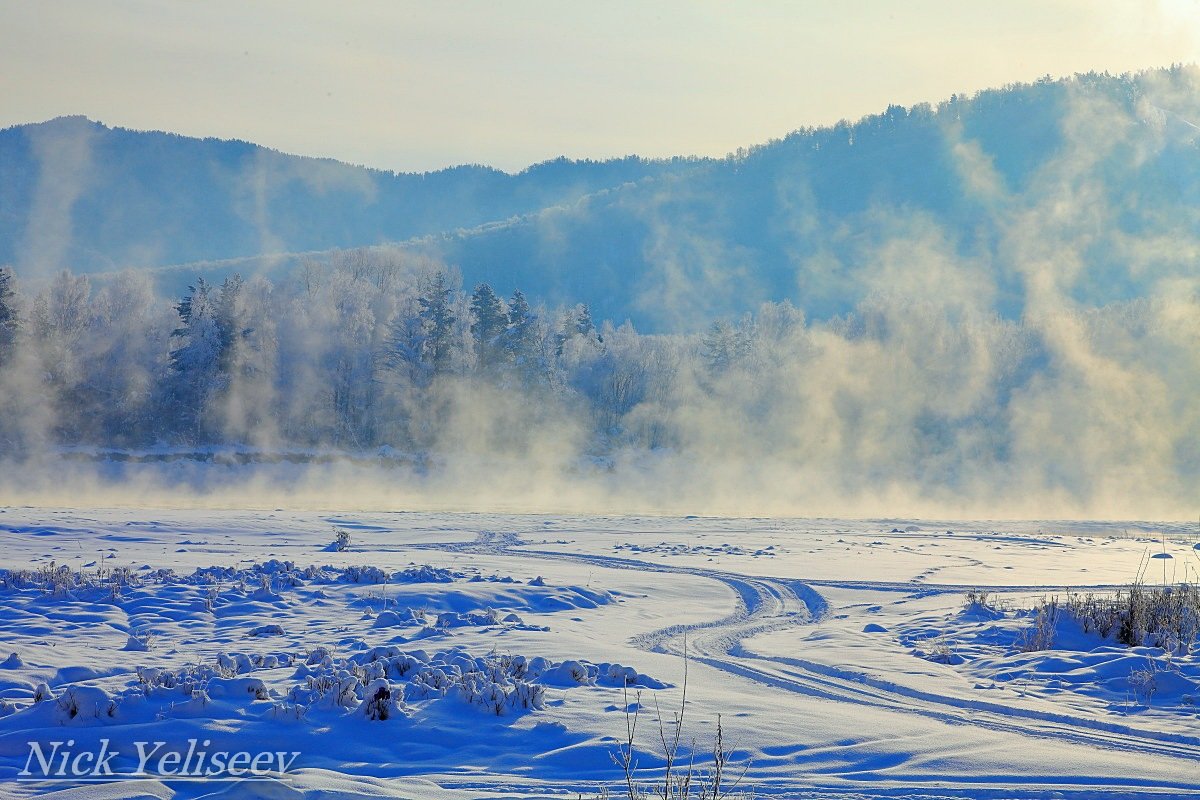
1084 190
75 193
1087 189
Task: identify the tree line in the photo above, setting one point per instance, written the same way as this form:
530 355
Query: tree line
368 350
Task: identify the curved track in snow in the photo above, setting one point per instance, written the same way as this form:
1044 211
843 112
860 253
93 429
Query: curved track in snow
766 604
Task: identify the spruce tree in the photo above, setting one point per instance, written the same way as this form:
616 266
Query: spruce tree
196 361
488 323
437 320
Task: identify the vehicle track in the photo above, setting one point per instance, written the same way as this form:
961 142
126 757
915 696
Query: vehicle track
772 604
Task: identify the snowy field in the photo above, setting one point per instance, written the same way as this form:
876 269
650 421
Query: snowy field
472 655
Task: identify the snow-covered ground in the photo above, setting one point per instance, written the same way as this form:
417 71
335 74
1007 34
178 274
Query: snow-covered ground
474 655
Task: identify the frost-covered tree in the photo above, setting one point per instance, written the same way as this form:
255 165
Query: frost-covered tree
60 321
522 341
488 325
575 328
123 358
8 315
723 346
437 324
248 323
233 327
583 321
196 360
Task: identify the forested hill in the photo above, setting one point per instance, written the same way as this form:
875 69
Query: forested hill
77 194
1085 190
1092 183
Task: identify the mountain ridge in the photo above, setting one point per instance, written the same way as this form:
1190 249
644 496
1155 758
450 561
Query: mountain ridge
819 217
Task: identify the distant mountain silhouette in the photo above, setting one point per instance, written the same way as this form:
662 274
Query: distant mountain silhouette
132 198
1093 183
1087 187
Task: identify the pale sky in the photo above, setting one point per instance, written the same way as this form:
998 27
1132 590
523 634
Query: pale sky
416 86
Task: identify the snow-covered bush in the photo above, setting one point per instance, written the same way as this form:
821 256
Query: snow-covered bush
384 681
266 630
341 540
1136 616
84 703
426 574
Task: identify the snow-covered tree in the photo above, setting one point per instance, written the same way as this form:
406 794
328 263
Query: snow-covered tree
488 325
8 315
437 324
576 330
723 346
123 358
523 342
196 361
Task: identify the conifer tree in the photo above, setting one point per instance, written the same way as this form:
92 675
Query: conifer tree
437 322
488 324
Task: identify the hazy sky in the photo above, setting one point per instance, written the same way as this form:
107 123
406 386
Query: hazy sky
413 86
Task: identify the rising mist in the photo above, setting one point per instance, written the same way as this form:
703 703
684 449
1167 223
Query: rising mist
1027 346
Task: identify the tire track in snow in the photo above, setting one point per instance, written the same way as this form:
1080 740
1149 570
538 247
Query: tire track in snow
772 604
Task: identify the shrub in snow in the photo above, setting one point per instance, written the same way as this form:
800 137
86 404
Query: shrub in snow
1136 616
480 618
940 650
85 703
328 689
289 712
477 618
981 604
42 693
366 574
318 655
570 673
133 643
139 641
267 630
60 580
234 663
378 683
266 588
1045 624
195 704
237 688
152 678
620 675
1143 683
380 701
341 540
12 662
498 684
425 574
194 678
390 619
